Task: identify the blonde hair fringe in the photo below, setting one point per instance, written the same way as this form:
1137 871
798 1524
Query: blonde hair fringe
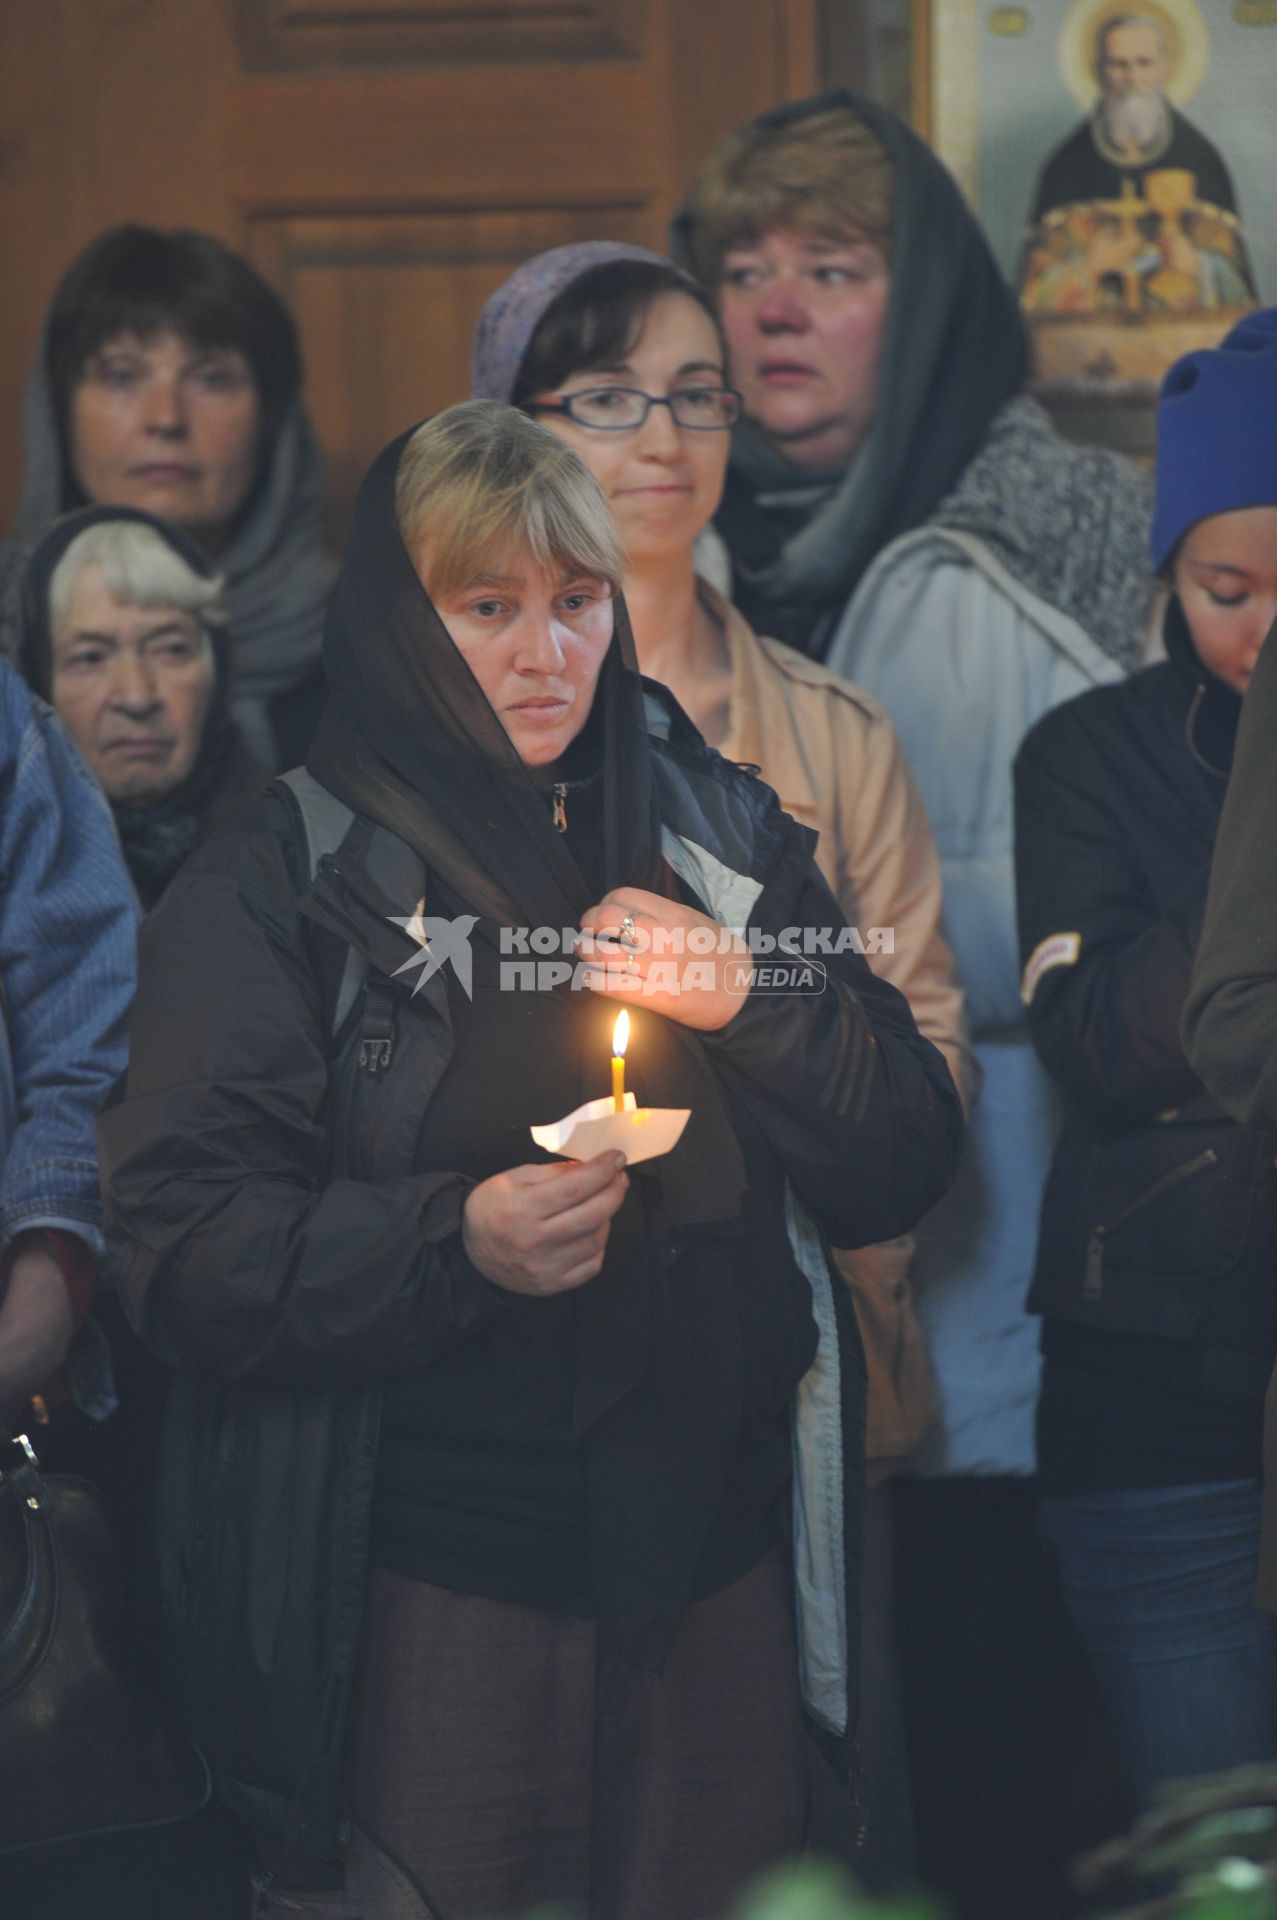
483 480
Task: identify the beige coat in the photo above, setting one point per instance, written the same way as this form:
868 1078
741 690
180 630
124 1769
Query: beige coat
832 757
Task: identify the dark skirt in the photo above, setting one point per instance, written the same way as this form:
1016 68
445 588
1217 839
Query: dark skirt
500 1765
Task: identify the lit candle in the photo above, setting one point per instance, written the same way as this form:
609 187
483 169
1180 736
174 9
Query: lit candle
620 1040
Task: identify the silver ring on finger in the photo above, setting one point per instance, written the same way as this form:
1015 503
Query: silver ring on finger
626 935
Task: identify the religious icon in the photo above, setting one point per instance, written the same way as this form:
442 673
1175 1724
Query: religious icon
1135 250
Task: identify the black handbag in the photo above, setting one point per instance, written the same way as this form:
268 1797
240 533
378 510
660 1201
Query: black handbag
84 1749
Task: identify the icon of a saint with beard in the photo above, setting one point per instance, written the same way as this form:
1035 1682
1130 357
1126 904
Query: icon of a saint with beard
1135 210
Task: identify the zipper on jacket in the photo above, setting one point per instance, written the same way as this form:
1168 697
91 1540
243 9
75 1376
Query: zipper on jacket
560 813
1093 1284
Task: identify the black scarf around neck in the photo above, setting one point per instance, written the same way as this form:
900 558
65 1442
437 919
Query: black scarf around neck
156 836
953 353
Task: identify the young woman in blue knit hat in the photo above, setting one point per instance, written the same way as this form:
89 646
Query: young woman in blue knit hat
1158 1243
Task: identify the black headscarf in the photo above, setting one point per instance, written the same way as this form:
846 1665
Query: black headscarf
410 741
156 835
953 353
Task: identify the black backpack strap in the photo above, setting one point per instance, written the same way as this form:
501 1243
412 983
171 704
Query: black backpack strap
372 1116
400 874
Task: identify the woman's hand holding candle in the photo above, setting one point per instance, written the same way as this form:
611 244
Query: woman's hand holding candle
657 953
541 1230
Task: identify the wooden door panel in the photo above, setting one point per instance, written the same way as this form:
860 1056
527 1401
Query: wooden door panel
387 308
471 135
347 33
385 162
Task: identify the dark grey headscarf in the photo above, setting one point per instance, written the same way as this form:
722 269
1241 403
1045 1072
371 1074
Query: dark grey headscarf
953 442
278 576
953 353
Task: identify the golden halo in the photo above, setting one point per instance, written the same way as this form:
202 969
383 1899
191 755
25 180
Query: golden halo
1180 20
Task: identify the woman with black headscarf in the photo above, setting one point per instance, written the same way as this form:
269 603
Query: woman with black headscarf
897 506
122 629
522 1424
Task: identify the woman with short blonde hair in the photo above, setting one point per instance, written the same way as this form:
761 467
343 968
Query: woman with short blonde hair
478 1525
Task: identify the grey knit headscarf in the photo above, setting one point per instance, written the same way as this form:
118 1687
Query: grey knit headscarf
514 311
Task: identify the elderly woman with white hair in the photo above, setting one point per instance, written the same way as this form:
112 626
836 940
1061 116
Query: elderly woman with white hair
123 631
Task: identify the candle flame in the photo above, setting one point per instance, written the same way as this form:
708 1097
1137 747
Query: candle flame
621 1033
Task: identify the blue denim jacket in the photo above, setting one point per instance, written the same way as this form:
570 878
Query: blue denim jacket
68 932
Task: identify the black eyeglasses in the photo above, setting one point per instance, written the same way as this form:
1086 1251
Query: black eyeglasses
620 409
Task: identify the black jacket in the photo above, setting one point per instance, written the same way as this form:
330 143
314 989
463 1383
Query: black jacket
1160 1213
273 1241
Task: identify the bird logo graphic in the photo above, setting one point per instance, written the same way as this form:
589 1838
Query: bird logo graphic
439 941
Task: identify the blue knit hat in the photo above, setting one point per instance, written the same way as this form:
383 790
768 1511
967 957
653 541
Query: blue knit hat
1217 432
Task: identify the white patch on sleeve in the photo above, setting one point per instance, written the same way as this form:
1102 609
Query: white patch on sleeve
1058 950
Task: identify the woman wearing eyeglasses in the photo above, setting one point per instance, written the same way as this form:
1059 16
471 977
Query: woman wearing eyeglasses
620 354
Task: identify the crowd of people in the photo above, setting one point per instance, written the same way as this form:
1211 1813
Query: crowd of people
878 1471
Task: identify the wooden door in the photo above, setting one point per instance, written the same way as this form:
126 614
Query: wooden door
384 162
